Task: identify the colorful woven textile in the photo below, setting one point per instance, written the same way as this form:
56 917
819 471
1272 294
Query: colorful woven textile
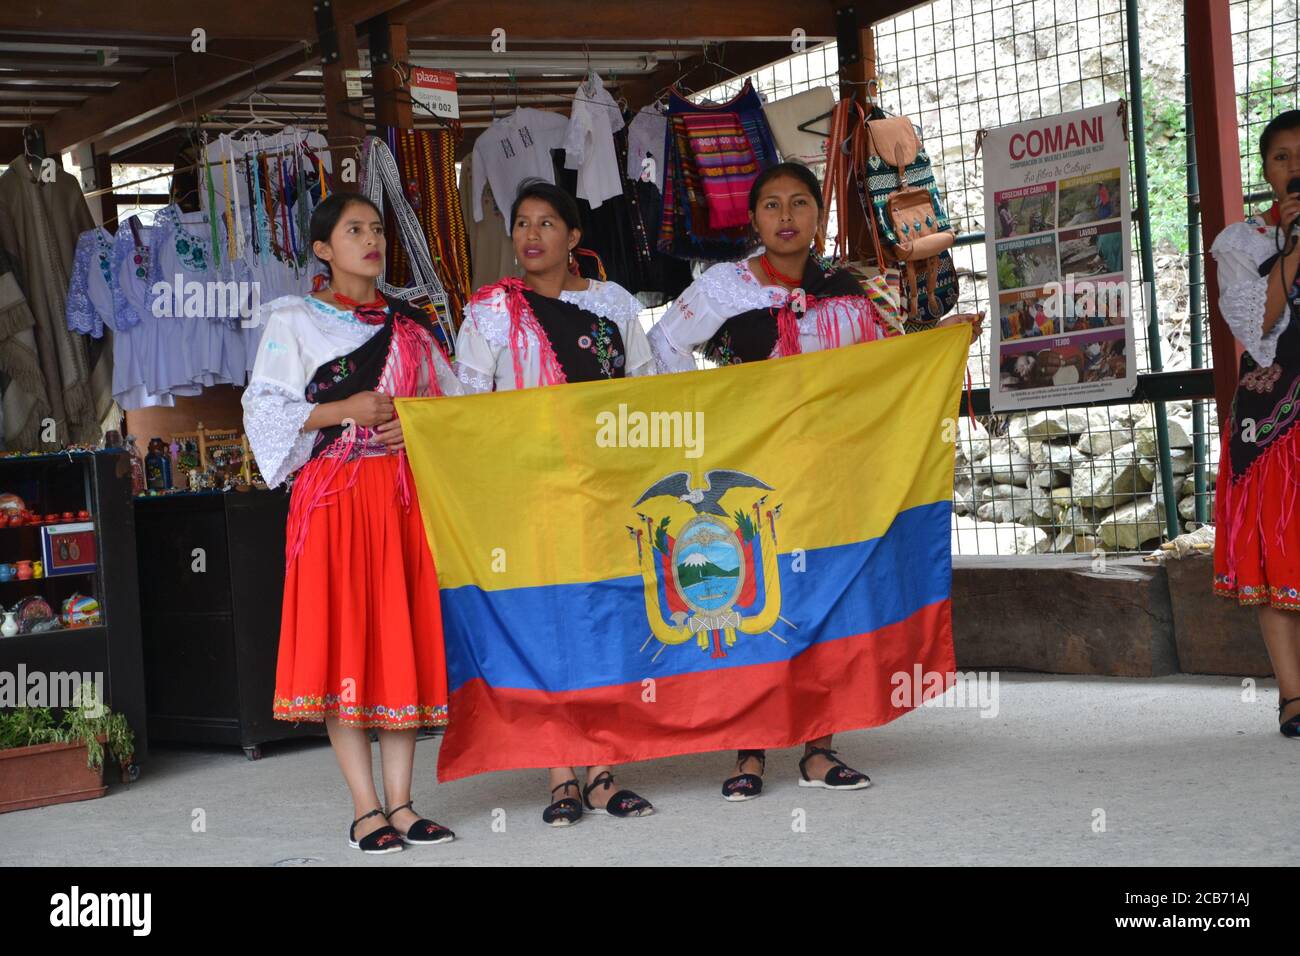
725 163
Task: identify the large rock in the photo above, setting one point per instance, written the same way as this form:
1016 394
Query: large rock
1131 526
1051 423
1187 508
1180 460
1059 454
1004 464
1104 440
1105 482
1180 424
1019 510
963 496
1047 478
1033 541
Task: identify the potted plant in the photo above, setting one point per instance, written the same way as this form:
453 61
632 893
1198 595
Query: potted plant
43 762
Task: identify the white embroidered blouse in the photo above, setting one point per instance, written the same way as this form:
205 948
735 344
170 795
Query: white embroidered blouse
299 335
722 291
1239 251
483 359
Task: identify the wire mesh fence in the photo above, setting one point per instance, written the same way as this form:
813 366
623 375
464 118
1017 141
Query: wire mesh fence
1079 479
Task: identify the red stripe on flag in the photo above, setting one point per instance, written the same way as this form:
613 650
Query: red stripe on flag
831 687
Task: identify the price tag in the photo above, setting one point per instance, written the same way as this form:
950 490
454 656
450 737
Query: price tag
353 80
436 91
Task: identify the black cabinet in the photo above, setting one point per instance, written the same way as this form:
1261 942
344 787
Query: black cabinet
100 483
211 572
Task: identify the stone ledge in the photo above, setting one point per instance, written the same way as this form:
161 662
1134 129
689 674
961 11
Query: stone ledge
1055 614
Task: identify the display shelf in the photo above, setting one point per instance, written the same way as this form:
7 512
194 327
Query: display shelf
99 483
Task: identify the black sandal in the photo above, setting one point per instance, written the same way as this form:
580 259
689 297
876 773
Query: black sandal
423 832
566 811
839 777
745 786
1291 726
624 803
384 840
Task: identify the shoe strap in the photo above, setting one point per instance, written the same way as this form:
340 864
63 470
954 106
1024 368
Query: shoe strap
604 778
408 805
567 783
824 752
367 816
1282 705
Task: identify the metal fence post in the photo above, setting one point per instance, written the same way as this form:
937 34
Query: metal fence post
1194 278
1148 259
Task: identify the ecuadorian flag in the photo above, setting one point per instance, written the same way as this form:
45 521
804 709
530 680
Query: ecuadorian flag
751 556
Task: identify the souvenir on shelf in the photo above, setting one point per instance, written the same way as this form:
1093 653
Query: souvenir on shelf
158 466
216 459
34 615
81 611
68 548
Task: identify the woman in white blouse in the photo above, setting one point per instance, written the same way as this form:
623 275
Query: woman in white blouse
553 326
1257 539
361 633
779 302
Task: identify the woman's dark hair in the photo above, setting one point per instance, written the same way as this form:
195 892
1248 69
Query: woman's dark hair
794 171
565 206
1279 123
327 215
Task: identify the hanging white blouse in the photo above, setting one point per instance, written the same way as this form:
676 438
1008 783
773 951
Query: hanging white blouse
483 359
1239 251
725 290
299 334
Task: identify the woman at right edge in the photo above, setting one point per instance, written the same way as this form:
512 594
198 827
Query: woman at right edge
1257 539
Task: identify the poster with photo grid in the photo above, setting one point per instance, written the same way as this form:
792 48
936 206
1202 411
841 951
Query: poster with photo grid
1057 226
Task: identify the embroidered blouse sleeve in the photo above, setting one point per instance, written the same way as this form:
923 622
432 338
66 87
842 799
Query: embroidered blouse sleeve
1239 250
691 321
476 358
80 312
275 406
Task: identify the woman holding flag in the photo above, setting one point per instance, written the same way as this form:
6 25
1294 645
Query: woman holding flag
781 302
548 327
361 642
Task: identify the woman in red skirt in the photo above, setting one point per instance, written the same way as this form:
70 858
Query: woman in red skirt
361 634
1257 540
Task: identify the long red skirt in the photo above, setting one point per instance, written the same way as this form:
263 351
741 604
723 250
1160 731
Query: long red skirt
361 630
1257 528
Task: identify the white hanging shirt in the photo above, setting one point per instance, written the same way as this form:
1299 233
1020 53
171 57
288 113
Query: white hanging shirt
513 149
645 146
589 142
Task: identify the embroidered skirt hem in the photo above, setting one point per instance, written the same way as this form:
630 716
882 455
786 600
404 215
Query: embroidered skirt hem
361 626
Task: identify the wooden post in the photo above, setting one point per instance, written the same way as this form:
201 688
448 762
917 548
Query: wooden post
1214 102
108 201
859 64
203 449
388 53
338 56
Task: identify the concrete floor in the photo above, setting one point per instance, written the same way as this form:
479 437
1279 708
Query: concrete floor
1185 771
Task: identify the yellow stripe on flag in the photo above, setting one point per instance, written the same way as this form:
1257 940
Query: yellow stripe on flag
847 438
